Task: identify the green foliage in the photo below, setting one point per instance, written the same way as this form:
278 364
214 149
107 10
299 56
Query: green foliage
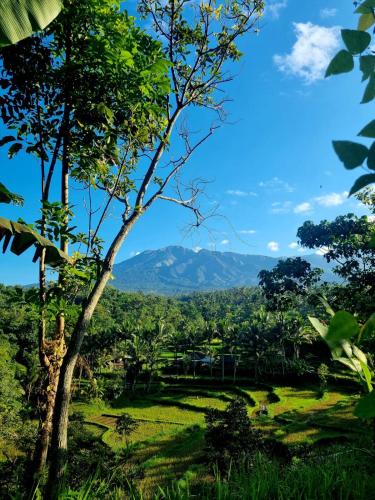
7 197
230 436
358 42
20 18
351 154
24 237
126 425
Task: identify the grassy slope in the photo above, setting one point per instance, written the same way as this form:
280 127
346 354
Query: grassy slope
169 439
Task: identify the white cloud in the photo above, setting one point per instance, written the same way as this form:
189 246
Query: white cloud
273 246
134 254
196 249
311 53
238 192
293 245
303 208
281 208
247 231
224 242
276 184
275 8
322 251
326 13
371 218
332 199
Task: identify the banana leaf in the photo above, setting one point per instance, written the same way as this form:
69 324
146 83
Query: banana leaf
23 237
21 18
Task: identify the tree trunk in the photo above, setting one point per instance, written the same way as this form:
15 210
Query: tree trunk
222 366
59 442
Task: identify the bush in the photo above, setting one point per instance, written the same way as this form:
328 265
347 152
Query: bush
230 437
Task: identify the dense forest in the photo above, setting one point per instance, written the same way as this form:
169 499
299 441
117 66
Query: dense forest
261 392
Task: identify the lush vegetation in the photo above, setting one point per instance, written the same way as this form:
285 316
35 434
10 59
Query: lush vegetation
246 393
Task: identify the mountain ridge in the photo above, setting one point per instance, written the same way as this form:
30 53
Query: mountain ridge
175 270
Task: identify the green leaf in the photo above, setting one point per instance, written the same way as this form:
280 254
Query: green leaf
343 62
341 327
319 326
21 18
6 139
356 41
367 66
23 237
371 157
361 356
13 150
368 328
369 130
368 375
366 21
369 94
353 364
366 406
362 182
350 153
365 7
8 197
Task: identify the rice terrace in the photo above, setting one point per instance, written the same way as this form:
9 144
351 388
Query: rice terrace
187 268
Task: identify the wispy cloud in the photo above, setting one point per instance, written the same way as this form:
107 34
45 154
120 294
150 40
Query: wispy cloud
276 184
196 249
281 207
332 199
247 231
239 193
327 13
293 245
134 254
274 8
311 53
302 208
273 246
224 242
327 200
322 251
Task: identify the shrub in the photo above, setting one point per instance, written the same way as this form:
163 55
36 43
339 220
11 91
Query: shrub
230 437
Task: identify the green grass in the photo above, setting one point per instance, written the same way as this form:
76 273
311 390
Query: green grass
169 440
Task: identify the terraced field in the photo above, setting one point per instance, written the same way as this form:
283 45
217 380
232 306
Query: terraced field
170 436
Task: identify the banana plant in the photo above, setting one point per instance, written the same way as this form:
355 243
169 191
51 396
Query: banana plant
23 237
341 334
21 18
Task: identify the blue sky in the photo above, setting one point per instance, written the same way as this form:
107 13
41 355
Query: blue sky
271 167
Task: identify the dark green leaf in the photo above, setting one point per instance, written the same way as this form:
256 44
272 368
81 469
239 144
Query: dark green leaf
369 130
342 326
8 197
356 41
13 150
365 7
366 406
369 94
371 157
350 153
367 66
343 62
362 182
6 139
368 328
24 237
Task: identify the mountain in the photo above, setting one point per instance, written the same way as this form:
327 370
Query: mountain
177 270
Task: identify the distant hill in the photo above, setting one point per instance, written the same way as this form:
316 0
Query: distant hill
176 270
